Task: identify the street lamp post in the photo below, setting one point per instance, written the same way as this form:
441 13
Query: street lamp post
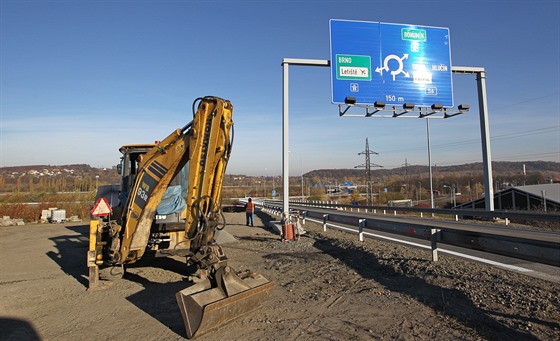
430 165
264 182
301 159
301 165
451 193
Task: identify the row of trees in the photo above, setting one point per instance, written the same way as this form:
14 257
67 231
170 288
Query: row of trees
384 188
467 186
17 205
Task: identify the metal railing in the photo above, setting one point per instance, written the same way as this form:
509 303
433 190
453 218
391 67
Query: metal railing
537 246
457 213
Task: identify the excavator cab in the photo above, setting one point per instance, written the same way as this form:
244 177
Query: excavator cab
169 221
188 168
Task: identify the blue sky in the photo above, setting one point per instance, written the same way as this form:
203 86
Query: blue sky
78 79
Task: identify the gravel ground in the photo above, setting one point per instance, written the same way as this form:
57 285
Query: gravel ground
328 286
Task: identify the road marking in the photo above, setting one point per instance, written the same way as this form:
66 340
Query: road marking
478 259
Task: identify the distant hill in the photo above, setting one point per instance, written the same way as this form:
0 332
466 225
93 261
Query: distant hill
79 168
498 168
84 177
76 177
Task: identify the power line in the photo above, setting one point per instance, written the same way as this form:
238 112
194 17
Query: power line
503 136
526 101
529 156
539 131
525 157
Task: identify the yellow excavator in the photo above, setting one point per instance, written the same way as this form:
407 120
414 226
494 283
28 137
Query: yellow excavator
158 215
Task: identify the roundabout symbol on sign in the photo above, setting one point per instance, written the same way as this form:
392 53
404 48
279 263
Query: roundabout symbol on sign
394 73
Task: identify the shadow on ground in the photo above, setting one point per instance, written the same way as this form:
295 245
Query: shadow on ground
71 254
265 218
17 330
155 299
450 302
158 299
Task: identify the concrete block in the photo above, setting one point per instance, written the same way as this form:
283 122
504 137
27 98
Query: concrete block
276 226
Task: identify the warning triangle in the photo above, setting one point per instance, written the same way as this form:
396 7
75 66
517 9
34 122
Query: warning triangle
101 208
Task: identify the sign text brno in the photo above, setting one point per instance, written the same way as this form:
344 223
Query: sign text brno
392 63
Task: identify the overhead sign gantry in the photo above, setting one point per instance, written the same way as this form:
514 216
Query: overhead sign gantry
392 63
378 64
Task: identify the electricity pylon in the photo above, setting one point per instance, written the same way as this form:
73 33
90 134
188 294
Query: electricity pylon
367 165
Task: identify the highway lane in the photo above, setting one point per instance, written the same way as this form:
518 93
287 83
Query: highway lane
464 225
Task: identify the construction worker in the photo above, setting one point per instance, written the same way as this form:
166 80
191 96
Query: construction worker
250 212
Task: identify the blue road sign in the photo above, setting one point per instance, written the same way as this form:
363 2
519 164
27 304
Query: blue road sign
393 63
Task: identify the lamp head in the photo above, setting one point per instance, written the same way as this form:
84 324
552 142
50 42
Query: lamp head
350 100
437 107
379 105
408 106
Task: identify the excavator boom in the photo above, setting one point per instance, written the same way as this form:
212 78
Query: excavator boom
157 168
218 293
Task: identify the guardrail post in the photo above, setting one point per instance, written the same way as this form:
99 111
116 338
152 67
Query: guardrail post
434 237
361 225
325 219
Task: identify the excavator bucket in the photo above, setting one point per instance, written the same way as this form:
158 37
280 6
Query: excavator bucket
205 308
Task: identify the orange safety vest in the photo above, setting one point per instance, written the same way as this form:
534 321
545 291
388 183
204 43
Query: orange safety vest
250 207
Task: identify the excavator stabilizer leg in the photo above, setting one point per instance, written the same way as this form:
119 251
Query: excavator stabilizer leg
93 276
205 308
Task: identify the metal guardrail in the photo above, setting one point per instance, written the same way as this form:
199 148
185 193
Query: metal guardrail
536 246
502 214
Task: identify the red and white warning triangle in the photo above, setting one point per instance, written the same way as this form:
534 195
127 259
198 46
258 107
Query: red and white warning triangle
101 208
